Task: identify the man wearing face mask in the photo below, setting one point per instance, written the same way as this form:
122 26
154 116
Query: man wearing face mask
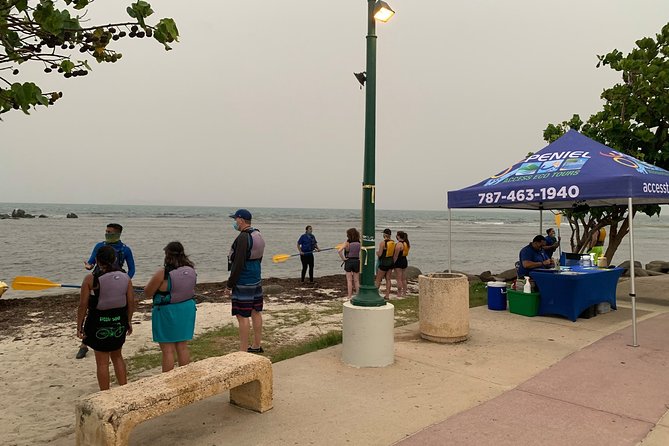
123 255
244 283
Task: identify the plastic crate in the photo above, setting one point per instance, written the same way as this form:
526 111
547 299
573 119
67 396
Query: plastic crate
526 304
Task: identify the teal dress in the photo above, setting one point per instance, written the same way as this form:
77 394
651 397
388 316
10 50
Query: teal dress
172 322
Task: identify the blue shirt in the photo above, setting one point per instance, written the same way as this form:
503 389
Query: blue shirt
118 246
307 243
550 241
531 254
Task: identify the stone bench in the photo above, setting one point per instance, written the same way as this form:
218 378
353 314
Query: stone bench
108 417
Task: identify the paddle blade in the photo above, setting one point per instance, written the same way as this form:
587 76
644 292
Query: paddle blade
558 219
281 258
28 283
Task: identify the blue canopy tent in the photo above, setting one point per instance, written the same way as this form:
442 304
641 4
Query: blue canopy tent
574 170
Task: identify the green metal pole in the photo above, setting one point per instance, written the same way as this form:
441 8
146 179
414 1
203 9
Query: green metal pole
369 296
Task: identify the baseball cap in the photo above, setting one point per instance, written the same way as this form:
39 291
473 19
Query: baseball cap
241 213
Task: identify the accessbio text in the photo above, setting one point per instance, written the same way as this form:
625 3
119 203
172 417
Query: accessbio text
545 193
655 188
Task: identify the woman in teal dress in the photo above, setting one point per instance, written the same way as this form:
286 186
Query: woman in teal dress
173 314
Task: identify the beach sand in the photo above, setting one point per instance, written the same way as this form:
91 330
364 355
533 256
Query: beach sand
40 379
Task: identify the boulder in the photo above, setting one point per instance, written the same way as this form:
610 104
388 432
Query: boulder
18 213
5 216
71 215
626 264
486 276
412 273
638 272
658 265
508 275
655 273
42 216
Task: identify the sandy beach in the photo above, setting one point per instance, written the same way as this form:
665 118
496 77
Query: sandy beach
40 379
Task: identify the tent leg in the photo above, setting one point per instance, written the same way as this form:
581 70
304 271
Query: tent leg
541 221
450 237
632 268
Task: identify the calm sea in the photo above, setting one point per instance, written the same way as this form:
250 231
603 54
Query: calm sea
56 247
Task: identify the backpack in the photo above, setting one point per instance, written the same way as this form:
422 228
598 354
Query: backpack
118 262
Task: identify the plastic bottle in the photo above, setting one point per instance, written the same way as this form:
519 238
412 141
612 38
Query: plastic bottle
528 286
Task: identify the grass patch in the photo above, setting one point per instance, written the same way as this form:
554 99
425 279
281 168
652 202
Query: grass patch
310 345
478 294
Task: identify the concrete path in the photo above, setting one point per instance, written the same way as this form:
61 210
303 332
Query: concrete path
517 381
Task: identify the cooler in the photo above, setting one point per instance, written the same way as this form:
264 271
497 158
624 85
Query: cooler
497 296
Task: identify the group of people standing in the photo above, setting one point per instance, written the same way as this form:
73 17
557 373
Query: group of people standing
107 299
392 256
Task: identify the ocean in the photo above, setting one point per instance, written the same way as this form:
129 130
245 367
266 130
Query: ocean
56 247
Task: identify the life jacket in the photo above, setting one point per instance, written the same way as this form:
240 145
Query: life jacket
180 286
255 250
388 249
405 251
110 289
256 244
602 236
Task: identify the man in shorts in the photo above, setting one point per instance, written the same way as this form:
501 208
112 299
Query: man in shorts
244 283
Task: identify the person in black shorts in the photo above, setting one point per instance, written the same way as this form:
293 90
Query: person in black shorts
385 253
401 263
350 254
106 302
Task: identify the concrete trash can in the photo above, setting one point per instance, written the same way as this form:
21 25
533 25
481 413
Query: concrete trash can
497 296
443 307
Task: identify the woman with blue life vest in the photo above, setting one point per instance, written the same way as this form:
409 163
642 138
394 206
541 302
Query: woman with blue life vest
173 314
350 254
106 304
385 253
400 258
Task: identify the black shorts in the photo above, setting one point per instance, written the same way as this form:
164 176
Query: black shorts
386 263
352 265
401 263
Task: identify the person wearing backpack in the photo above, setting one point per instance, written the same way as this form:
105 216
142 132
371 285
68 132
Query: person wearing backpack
123 255
244 283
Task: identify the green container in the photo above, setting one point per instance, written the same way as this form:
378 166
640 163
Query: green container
526 304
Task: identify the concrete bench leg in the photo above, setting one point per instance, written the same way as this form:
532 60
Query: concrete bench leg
256 395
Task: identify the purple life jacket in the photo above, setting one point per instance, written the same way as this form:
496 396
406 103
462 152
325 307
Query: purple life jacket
181 284
113 287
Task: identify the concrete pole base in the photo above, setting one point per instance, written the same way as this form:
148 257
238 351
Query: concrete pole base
368 335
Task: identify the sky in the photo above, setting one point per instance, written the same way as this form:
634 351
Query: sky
257 105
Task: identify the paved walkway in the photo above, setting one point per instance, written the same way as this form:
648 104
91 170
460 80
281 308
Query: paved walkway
516 381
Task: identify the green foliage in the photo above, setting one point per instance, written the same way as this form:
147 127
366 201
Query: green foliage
634 120
50 34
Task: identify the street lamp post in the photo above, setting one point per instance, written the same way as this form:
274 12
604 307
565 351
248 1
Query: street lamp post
368 295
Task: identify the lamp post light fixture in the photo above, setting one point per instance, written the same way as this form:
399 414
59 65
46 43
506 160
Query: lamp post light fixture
368 295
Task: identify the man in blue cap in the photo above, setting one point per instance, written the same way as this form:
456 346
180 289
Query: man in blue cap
244 283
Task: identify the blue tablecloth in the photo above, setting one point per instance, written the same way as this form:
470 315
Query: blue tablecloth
568 293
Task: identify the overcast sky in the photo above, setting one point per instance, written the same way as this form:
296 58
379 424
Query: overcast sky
257 105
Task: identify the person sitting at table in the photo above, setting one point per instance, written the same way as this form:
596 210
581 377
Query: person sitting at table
533 256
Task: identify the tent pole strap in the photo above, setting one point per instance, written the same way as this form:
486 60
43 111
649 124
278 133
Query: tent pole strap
630 216
450 237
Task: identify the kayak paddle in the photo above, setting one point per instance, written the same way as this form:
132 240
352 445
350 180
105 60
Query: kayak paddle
28 283
279 258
